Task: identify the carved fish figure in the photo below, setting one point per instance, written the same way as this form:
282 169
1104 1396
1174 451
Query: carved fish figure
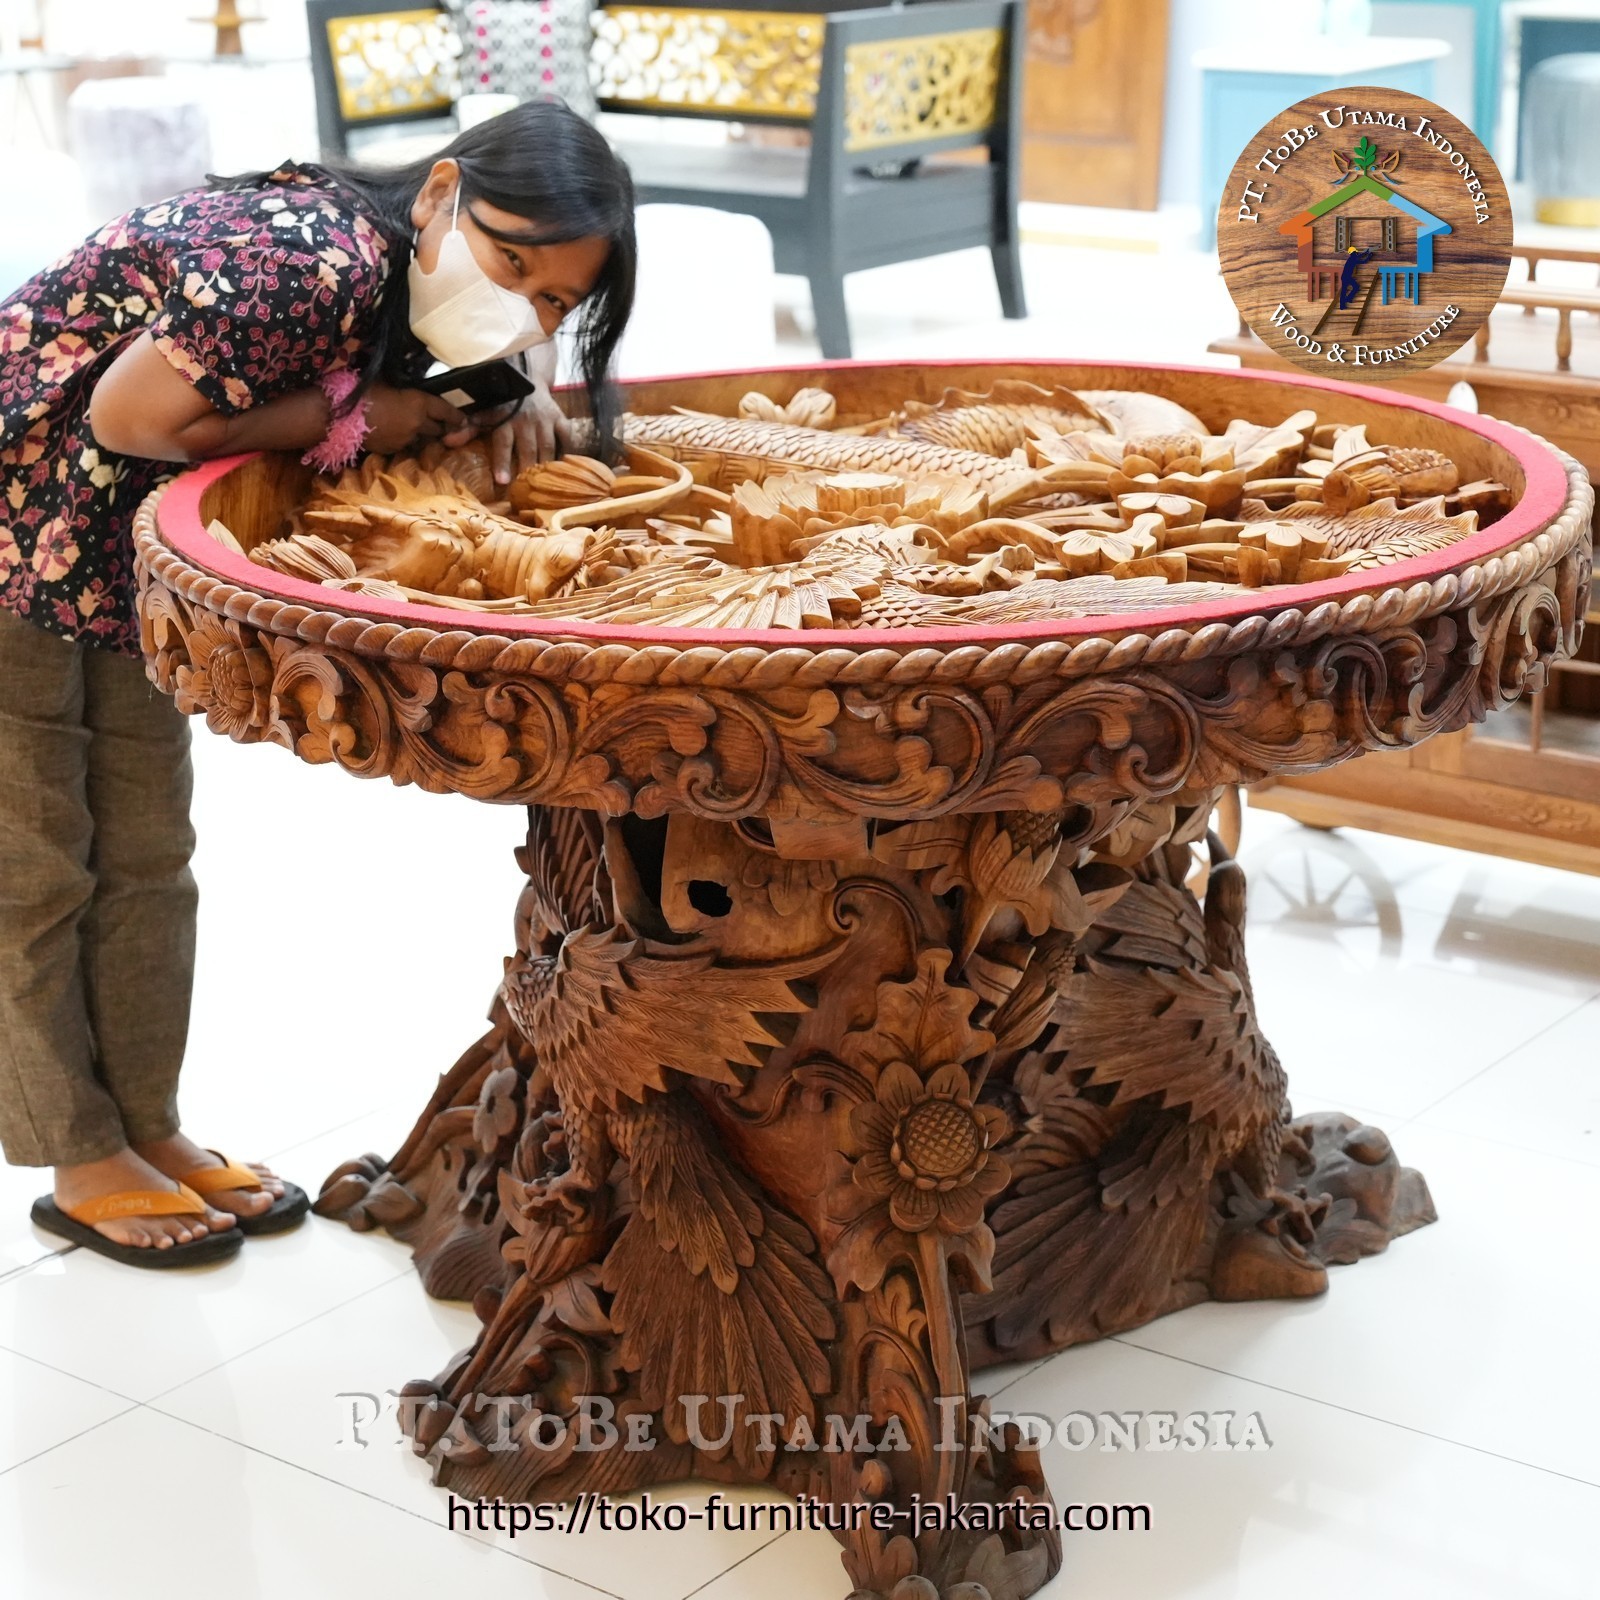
995 423
734 449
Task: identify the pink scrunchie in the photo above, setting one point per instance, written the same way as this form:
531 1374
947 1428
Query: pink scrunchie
347 424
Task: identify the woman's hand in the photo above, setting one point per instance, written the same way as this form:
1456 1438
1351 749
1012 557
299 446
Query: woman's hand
399 418
533 433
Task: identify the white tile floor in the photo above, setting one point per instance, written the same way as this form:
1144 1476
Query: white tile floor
1121 301
1432 1418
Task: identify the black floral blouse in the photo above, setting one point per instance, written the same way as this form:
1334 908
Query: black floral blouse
249 292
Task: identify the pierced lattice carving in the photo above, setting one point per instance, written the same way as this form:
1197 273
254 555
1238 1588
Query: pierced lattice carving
740 63
394 61
897 91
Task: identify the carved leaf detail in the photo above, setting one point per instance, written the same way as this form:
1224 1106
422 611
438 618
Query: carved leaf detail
574 1302
1008 1575
924 1021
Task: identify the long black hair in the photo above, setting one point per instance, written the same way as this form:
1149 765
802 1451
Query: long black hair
541 161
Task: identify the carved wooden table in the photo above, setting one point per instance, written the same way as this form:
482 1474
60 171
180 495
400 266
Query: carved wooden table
862 1028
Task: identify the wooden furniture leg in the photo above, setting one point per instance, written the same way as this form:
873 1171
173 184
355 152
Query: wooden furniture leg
828 307
1008 275
766 1148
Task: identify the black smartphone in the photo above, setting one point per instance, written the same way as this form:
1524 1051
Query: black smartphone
480 388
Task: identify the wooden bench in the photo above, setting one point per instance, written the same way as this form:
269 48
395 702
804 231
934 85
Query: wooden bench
1525 784
1541 372
1533 299
897 102
1533 254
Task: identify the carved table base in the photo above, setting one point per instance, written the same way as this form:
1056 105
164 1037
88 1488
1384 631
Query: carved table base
821 1119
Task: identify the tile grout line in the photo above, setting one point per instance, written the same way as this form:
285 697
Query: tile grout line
719 1576
94 1426
1353 1411
61 1372
28 1266
1027 1372
250 1350
349 1122
1533 1038
1506 1144
376 1499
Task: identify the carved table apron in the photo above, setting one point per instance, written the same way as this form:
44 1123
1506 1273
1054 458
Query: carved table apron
862 1028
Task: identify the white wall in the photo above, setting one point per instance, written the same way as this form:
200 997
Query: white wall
258 115
1198 25
1453 76
162 27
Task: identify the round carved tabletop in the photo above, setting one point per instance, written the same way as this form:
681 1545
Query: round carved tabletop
729 724
865 1026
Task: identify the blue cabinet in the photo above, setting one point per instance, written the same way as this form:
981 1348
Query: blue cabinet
1483 17
1241 92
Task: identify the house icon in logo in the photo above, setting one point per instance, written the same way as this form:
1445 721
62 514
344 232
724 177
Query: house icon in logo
1333 242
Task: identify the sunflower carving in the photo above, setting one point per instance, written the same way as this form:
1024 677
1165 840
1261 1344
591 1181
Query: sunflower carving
927 1150
921 1149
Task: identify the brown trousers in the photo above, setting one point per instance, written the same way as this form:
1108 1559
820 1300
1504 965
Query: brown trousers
97 903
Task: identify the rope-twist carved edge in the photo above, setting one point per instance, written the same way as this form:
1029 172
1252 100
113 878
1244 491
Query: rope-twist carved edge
757 667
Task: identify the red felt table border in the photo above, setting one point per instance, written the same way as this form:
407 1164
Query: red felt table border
1545 494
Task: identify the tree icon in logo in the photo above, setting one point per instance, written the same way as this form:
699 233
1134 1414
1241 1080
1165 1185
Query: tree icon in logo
1362 162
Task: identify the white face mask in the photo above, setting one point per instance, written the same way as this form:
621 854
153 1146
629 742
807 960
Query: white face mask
460 313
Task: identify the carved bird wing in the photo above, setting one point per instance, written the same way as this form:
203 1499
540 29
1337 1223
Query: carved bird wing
611 1016
1162 1007
715 1291
1096 1247
1188 1038
1100 1233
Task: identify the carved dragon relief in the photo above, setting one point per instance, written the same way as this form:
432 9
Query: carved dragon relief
1016 503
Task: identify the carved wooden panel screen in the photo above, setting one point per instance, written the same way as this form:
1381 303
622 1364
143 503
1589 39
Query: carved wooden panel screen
393 62
725 63
940 84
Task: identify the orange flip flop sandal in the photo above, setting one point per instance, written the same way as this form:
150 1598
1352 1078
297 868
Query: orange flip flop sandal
78 1225
285 1213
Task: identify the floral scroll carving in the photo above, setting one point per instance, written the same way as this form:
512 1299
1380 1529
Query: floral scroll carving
722 733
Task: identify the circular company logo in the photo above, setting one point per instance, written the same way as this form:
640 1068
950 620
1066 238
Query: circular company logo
1364 233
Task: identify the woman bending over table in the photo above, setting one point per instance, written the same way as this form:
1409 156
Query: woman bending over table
291 310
